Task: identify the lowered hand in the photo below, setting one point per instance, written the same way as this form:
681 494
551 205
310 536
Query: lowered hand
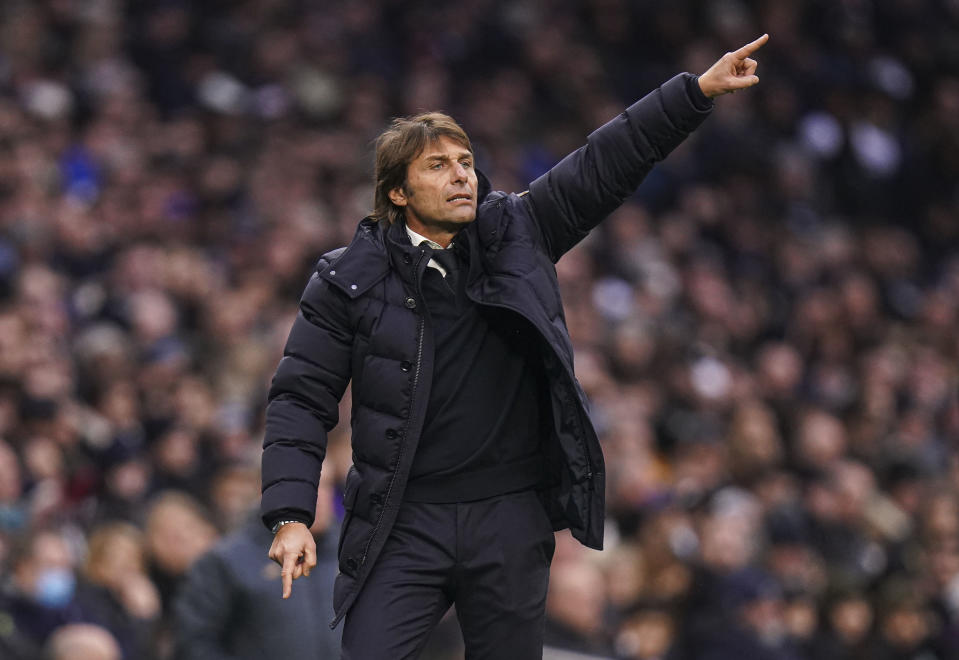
295 550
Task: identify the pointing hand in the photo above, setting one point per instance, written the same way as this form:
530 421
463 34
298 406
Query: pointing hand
733 71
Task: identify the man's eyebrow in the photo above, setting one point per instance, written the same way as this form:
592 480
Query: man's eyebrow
464 154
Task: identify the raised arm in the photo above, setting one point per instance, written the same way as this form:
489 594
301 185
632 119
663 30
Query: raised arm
588 184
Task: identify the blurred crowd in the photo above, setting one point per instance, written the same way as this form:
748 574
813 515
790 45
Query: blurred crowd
767 331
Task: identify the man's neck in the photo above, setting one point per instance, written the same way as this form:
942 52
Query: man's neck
417 236
440 235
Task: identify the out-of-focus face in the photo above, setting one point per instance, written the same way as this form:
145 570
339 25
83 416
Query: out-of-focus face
83 641
440 192
647 635
10 483
176 536
728 541
851 618
765 617
906 627
577 596
234 493
116 560
46 574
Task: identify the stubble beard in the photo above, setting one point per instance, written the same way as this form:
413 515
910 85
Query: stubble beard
445 225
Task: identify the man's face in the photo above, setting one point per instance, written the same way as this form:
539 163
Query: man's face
440 192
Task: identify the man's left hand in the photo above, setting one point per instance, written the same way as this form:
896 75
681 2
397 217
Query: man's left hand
733 71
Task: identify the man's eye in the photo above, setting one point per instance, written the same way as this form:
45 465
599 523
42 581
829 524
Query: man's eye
436 166
467 164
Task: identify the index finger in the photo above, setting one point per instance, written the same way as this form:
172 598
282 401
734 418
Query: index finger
289 561
751 47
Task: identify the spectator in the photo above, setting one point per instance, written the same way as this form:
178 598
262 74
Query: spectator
43 585
756 625
177 534
648 634
228 607
575 609
82 641
847 634
905 623
116 591
13 513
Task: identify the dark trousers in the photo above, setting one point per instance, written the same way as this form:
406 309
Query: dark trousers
491 558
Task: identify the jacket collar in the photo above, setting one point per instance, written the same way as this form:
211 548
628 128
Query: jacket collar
363 263
376 246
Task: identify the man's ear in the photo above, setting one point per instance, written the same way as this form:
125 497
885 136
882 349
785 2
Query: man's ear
398 197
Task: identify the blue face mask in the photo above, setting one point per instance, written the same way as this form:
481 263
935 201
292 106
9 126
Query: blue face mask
55 587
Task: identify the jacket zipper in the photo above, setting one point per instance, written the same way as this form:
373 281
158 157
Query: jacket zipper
409 420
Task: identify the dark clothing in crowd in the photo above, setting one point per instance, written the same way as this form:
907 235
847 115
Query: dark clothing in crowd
34 622
558 635
101 607
229 606
14 642
739 642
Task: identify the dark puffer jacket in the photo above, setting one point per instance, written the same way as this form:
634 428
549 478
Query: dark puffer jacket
362 317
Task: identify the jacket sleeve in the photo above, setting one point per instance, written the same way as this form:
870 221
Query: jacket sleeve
590 183
304 402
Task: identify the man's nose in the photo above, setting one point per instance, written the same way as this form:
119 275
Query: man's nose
459 172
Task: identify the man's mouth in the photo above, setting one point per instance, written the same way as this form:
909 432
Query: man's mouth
459 197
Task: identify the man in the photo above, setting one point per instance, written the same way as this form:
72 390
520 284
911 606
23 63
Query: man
471 438
40 593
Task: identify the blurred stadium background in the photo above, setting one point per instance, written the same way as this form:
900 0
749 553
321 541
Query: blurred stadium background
767 331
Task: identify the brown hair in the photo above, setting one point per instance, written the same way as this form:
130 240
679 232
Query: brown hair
101 543
398 146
